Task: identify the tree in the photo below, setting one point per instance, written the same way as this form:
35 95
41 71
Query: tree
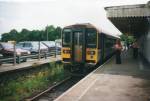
5 37
34 35
24 34
58 32
49 32
127 38
14 35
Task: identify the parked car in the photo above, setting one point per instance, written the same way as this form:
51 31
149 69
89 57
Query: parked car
33 46
59 46
58 43
51 45
7 50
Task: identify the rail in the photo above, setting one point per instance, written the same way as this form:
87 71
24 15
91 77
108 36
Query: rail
47 90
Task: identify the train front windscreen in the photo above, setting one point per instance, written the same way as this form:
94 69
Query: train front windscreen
91 46
66 37
66 45
91 38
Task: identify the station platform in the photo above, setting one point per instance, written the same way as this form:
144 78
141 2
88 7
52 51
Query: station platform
29 64
129 81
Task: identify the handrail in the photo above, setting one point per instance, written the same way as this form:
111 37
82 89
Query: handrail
25 57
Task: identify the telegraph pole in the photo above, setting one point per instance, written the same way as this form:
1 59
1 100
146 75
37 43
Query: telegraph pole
47 32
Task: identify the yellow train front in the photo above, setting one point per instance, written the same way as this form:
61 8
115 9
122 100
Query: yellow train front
85 46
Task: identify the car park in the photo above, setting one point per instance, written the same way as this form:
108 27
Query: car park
58 43
33 46
58 46
52 45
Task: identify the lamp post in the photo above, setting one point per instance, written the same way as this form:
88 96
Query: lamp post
14 44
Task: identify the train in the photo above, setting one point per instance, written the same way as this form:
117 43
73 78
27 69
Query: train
84 46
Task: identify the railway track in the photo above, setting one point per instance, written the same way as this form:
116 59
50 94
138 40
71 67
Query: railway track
56 90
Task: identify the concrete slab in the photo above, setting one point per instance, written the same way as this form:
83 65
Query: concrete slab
112 82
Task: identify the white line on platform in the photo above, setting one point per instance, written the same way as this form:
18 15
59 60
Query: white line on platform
140 64
57 99
87 89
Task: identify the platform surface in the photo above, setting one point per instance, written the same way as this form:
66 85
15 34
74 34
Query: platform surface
28 64
129 81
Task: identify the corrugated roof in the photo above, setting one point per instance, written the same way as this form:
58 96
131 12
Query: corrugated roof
141 10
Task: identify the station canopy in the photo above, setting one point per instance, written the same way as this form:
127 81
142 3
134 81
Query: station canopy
130 19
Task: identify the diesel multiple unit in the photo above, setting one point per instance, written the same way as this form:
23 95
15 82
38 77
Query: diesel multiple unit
84 44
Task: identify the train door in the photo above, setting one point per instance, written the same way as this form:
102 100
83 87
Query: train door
78 47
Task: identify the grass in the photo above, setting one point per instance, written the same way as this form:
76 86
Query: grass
25 85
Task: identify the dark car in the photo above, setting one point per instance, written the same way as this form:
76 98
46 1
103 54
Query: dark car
7 50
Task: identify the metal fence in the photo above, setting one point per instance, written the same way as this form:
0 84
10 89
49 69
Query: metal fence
19 59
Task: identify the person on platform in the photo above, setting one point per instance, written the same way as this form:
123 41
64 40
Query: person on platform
135 47
118 48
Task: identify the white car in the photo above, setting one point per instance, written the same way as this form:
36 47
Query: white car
33 46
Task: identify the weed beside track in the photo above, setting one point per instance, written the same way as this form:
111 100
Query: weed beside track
15 86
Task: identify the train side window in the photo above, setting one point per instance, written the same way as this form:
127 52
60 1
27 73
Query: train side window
109 43
100 40
75 39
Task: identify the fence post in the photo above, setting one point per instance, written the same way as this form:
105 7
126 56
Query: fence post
18 59
39 52
14 53
0 62
55 50
45 55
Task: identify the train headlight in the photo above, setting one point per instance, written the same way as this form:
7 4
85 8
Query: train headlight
91 52
66 51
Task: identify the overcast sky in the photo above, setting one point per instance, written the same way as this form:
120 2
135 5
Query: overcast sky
36 14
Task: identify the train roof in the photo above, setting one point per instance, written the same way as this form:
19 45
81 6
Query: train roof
89 25
85 25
